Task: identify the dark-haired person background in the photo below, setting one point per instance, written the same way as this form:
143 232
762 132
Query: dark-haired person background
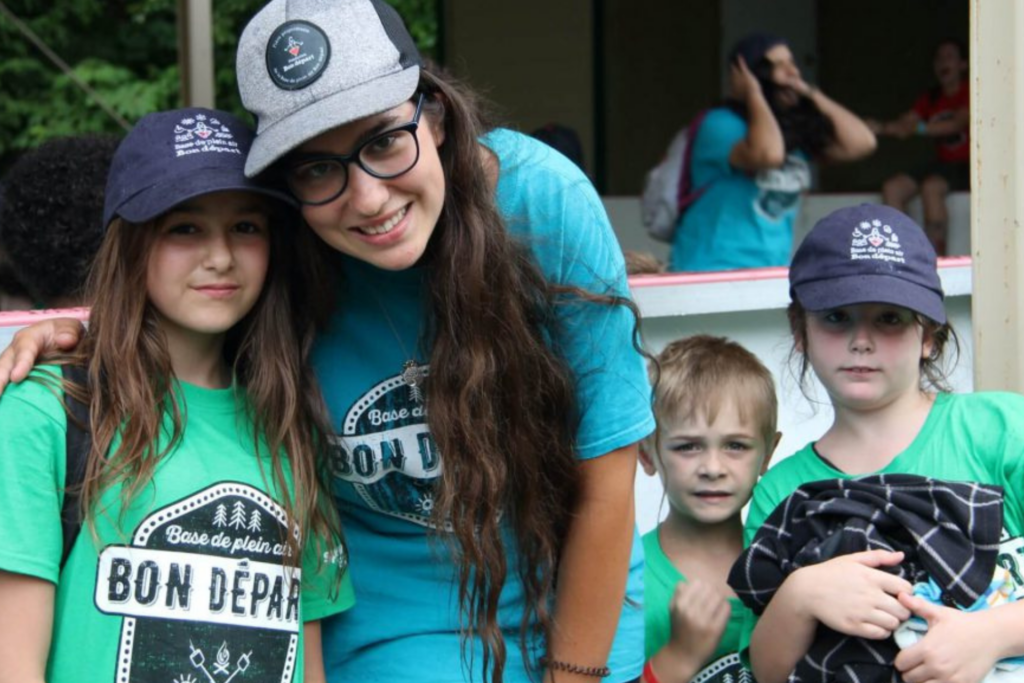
13 295
943 114
564 139
51 216
751 157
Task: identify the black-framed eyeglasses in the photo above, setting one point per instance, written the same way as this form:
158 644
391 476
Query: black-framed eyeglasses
317 179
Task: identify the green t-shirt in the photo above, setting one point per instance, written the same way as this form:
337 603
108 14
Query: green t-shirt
189 584
660 579
966 437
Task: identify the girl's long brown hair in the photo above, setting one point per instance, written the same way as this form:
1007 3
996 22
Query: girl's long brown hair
501 403
501 397
131 383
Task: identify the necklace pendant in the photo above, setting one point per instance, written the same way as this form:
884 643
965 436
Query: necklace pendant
412 375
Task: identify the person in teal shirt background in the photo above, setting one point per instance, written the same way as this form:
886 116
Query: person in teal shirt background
751 157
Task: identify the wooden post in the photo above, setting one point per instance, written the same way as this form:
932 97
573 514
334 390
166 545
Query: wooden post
997 192
195 52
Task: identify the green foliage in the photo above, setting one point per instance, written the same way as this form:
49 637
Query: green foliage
127 52
421 18
128 60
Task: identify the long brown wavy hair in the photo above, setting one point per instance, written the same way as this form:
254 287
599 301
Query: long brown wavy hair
501 397
131 384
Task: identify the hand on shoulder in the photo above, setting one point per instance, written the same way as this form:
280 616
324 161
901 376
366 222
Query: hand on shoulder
46 336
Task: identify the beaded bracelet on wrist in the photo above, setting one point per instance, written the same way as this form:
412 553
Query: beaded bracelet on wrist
595 671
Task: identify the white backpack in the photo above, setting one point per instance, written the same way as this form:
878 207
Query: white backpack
668 187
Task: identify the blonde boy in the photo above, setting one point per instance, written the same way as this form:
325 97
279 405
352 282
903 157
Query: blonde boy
716 409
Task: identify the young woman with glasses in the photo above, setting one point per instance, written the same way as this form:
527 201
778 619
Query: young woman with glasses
477 354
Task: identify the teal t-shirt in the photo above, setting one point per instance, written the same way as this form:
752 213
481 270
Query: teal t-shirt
189 582
406 624
660 579
967 437
743 219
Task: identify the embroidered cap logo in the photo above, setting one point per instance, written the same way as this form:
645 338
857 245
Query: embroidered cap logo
203 133
877 241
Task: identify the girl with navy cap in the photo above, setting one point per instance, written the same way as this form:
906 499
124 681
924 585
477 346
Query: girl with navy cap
477 356
749 160
208 548
867 317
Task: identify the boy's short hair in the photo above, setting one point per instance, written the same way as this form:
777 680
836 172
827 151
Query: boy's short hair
697 374
642 263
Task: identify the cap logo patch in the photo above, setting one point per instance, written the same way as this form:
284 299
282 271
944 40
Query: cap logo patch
876 241
297 53
202 133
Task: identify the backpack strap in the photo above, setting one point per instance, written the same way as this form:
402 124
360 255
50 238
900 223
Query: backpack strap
685 193
77 445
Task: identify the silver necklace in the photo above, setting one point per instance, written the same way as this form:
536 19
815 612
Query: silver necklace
412 373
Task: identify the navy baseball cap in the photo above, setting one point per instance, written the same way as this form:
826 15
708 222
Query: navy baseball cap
172 156
307 66
867 254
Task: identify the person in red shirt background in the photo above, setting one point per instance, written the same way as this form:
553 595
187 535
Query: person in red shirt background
941 113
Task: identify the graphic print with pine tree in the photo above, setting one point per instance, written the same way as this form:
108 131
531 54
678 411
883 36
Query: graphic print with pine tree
257 637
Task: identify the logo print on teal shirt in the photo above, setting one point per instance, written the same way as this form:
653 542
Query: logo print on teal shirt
385 451
780 188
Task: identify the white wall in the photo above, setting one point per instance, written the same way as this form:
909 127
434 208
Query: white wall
5 335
